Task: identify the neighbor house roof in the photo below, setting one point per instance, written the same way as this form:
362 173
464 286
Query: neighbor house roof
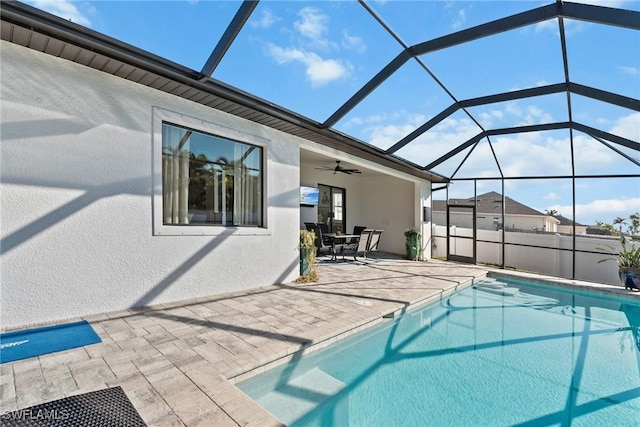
567 221
489 203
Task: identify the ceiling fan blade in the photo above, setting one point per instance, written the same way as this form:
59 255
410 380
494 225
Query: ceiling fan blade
337 168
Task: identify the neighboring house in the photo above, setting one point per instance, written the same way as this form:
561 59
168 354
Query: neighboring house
566 226
128 181
489 214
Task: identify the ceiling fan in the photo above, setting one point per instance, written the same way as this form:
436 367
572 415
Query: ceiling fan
339 168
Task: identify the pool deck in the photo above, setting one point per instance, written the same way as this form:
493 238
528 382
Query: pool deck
178 363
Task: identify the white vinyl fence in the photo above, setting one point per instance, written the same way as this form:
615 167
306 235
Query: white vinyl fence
553 261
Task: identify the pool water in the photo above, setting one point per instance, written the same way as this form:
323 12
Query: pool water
500 353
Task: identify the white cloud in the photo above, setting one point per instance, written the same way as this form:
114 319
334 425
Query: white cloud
604 210
571 27
548 25
319 71
459 20
628 127
265 20
313 25
353 42
632 71
438 141
64 9
312 28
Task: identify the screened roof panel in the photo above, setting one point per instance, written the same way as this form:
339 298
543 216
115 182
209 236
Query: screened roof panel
183 32
594 157
604 64
333 63
308 57
479 163
441 139
546 153
449 166
607 117
535 110
400 104
523 58
417 21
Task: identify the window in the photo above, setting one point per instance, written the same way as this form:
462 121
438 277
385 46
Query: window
211 175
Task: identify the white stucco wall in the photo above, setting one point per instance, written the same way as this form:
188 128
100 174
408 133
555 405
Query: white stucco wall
77 196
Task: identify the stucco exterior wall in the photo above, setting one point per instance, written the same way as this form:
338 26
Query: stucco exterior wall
77 197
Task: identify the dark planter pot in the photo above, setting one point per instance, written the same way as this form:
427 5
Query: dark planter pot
412 246
305 261
630 277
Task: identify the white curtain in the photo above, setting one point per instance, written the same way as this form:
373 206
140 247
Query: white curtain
247 183
175 175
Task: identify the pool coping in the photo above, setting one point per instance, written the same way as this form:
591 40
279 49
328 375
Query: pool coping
617 291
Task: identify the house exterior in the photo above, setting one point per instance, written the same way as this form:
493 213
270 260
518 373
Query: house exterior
97 211
567 226
517 217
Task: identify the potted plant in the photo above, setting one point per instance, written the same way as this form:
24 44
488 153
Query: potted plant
628 259
307 252
412 243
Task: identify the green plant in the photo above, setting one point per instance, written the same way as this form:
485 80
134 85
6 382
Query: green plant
307 257
411 232
628 256
307 239
412 243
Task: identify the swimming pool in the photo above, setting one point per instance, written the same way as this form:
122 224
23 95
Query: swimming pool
503 352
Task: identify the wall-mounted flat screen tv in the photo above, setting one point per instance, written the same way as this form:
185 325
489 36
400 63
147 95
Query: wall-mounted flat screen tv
309 196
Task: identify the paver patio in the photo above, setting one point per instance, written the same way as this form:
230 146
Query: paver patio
178 362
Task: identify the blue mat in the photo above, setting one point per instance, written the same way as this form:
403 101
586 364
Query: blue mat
26 343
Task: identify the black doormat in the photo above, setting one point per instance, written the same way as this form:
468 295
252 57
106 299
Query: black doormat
103 408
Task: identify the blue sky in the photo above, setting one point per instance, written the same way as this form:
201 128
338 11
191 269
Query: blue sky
310 57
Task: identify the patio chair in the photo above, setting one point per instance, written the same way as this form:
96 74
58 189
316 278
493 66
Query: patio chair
325 229
357 230
360 246
321 247
374 241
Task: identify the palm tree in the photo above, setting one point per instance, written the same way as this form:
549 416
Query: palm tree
634 228
620 221
552 212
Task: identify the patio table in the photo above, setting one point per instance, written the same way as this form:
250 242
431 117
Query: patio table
339 240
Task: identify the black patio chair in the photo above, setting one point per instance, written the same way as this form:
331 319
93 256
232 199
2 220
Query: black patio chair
321 247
